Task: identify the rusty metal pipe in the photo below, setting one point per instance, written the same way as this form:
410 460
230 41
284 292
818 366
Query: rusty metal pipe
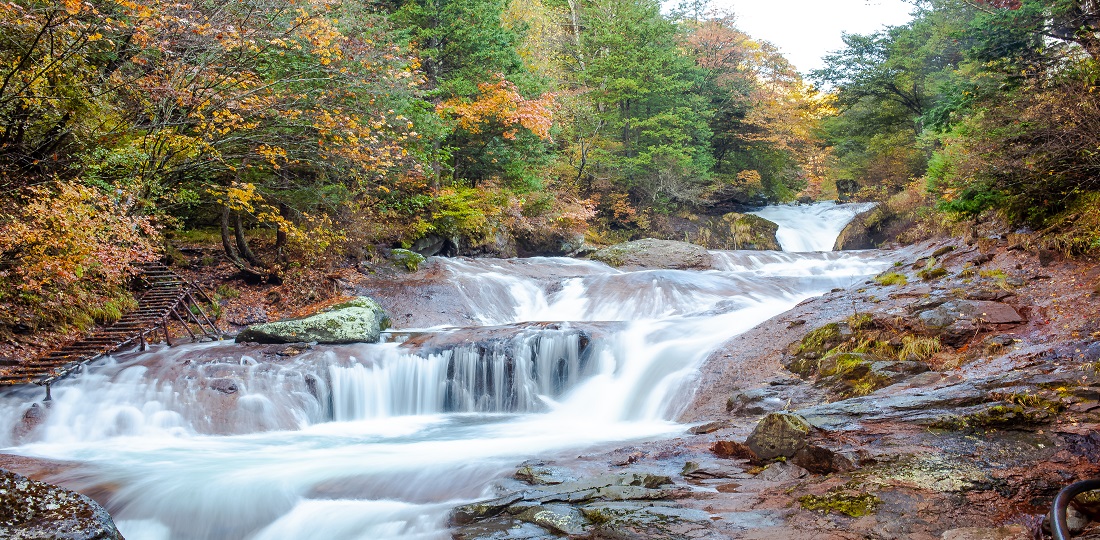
1058 526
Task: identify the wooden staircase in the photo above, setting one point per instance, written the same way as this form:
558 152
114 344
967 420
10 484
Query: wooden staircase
167 297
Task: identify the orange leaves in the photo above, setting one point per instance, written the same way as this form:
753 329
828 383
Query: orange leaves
70 233
501 104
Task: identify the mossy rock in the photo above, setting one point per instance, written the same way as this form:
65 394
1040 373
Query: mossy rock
780 434
409 260
852 374
1001 416
31 510
360 320
738 231
806 355
875 227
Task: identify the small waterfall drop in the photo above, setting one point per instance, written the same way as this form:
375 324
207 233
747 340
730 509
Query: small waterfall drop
224 441
811 227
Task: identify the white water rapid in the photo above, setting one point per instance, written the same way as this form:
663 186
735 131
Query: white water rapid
218 441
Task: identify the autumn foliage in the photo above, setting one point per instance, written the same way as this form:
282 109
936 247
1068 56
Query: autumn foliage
66 248
301 132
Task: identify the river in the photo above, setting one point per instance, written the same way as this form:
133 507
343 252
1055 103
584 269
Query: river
381 440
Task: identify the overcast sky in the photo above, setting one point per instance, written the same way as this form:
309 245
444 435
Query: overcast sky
806 30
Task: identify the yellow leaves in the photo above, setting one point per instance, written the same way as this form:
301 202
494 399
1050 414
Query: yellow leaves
72 7
325 39
272 154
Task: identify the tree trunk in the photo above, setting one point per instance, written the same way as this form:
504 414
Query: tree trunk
227 245
576 33
437 167
242 242
280 236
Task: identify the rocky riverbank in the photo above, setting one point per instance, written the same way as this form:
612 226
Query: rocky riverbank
951 397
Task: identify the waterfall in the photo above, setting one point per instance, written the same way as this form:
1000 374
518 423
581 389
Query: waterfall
217 440
811 227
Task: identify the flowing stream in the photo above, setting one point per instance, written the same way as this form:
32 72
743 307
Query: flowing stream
215 441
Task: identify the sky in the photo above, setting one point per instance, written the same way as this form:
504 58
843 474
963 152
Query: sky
806 30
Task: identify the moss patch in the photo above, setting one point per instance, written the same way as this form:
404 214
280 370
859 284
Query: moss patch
860 355
852 505
891 278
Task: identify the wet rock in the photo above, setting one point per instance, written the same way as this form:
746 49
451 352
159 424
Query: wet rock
549 242
917 405
293 350
708 469
645 520
539 475
873 228
737 231
709 427
503 530
31 510
225 386
989 294
615 487
782 472
360 320
755 401
821 460
560 518
433 244
653 253
469 513
779 435
733 450
1011 532
33 417
956 321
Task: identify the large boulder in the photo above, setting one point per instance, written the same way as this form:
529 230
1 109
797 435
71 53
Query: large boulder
653 253
873 228
360 320
31 510
737 231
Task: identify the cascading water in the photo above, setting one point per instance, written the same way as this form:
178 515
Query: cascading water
220 441
811 227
